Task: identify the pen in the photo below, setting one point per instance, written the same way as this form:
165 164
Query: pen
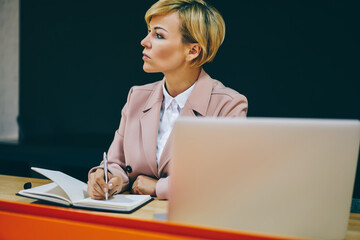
106 174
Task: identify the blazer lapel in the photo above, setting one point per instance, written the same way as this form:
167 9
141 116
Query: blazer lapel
199 99
149 122
196 105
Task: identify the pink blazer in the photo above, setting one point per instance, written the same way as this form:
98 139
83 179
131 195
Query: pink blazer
133 150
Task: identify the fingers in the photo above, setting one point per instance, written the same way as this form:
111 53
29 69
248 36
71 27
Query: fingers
136 188
144 185
96 185
114 184
100 180
94 190
95 194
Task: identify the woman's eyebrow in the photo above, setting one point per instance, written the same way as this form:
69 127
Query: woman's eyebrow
157 27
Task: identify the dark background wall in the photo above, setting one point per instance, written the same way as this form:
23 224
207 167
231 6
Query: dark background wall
79 58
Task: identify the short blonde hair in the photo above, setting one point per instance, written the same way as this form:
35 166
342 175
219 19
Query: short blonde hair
200 23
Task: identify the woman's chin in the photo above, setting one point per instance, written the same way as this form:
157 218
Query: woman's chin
149 70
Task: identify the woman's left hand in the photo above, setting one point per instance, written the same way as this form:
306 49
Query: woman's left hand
144 185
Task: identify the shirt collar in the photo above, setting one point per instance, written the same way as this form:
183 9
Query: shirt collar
179 99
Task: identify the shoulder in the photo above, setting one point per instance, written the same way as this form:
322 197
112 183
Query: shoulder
226 102
143 97
211 98
220 90
143 92
146 88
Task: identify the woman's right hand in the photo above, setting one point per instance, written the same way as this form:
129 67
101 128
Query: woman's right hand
97 185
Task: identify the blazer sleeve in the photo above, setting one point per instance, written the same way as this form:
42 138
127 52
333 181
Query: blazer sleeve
116 157
162 188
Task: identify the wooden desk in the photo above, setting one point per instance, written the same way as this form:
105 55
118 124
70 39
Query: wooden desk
10 185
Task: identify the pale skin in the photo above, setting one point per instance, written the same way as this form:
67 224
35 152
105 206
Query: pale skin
163 52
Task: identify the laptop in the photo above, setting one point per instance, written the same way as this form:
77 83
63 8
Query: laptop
288 177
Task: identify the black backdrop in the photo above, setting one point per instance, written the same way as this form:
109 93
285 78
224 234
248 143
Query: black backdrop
79 58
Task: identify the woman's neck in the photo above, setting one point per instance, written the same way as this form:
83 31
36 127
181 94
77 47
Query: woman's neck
177 82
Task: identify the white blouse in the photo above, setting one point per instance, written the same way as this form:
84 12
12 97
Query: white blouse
170 111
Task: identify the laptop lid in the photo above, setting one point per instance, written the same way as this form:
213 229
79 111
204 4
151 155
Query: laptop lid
292 177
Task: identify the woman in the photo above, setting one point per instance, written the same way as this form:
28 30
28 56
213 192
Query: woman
183 35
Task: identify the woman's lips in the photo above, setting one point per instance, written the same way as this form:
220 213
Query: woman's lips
145 57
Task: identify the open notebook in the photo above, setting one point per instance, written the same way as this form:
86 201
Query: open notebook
70 191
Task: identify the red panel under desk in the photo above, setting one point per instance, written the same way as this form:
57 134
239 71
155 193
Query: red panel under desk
33 221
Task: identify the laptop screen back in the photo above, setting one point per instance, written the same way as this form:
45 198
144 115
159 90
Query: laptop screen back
291 177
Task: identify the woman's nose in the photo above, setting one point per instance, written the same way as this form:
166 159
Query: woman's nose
145 42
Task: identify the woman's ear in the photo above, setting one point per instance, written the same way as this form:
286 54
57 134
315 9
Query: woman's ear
193 51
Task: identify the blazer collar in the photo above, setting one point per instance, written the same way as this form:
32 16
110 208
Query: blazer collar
155 97
200 96
198 100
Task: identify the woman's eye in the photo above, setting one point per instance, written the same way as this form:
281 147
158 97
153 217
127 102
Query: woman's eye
158 36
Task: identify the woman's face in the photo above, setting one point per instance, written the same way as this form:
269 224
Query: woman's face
164 51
